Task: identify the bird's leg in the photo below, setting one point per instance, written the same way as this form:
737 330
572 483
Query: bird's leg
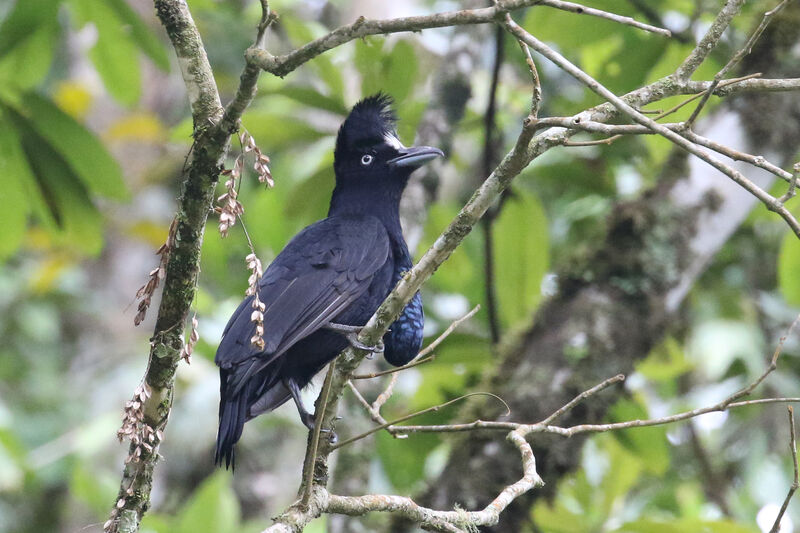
306 417
351 334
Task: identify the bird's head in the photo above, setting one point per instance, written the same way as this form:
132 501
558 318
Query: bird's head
368 149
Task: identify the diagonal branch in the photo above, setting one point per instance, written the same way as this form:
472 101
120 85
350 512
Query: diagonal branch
283 65
776 526
771 203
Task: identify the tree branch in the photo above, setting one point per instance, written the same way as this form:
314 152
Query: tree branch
283 65
776 526
770 202
709 40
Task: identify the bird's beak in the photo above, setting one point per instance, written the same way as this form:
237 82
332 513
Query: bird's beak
415 157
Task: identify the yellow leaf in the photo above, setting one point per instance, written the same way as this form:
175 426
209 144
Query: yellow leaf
144 127
49 272
73 98
151 233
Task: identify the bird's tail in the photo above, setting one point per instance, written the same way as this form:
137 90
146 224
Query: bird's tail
232 416
246 391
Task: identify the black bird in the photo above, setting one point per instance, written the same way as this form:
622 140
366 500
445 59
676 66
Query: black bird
328 280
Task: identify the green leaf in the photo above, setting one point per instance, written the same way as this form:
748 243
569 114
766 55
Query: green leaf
213 507
461 273
93 490
393 72
683 525
278 131
789 269
78 223
300 33
14 174
665 362
143 36
459 363
311 97
312 196
648 443
404 460
84 153
27 64
25 17
114 55
521 251
368 60
399 71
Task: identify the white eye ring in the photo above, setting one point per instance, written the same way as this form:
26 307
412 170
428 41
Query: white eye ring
366 159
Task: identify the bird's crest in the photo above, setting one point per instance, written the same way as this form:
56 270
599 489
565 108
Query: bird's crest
370 121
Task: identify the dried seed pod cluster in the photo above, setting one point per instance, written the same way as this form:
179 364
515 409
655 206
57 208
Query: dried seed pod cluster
261 163
188 347
257 316
134 427
146 291
230 207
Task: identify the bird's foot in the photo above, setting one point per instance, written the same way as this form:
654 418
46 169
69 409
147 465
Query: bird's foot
351 334
310 421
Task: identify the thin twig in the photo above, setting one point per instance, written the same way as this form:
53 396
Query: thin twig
311 457
769 201
373 411
737 57
362 27
618 130
721 85
422 357
582 396
386 394
792 184
536 97
416 414
776 526
444 520
709 41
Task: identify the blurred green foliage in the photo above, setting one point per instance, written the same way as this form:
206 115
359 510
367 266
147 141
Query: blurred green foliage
89 169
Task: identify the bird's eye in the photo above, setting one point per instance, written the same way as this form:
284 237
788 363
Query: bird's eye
366 159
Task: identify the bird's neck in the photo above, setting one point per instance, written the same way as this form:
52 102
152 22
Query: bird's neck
383 204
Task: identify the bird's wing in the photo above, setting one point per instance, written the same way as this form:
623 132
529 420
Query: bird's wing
321 271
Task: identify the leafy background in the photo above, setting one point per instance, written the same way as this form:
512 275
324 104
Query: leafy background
94 128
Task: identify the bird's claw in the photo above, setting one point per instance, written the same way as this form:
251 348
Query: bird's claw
352 338
310 421
351 334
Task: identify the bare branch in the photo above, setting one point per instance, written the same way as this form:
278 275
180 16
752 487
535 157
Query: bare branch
414 415
582 396
771 203
737 57
617 130
536 98
309 465
283 65
792 184
776 526
584 10
753 85
709 40
422 356
360 505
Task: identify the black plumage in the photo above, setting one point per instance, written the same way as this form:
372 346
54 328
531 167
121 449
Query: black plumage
335 272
